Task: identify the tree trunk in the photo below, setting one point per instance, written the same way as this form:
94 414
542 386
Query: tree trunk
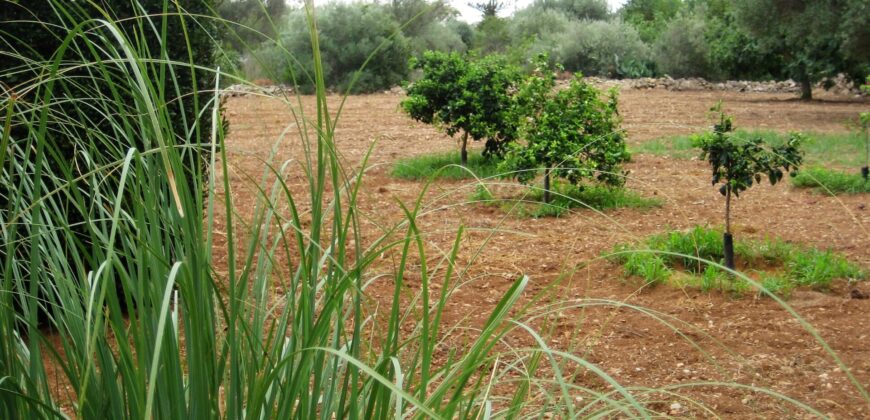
464 153
728 240
865 171
547 186
806 89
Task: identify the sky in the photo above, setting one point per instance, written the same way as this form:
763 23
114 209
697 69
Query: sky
470 15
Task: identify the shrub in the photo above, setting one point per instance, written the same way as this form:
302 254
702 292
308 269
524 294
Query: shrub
681 50
733 53
570 133
649 17
349 35
576 9
600 48
437 36
471 97
534 23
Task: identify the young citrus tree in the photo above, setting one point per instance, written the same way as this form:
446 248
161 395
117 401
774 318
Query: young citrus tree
739 163
570 133
468 97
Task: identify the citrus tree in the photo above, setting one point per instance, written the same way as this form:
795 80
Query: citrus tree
570 133
739 163
470 98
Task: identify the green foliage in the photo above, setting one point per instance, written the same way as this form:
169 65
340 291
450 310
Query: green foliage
601 48
471 97
575 9
680 258
650 17
349 35
838 149
566 197
253 19
819 268
569 133
428 25
491 35
733 53
738 163
445 166
831 181
649 267
817 39
681 48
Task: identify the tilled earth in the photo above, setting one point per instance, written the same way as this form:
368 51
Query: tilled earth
718 338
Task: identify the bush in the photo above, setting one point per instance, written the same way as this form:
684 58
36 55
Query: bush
532 24
437 36
576 9
733 53
649 17
349 34
599 48
471 97
570 133
681 50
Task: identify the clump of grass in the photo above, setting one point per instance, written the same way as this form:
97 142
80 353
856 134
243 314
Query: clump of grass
830 181
683 258
838 149
445 166
565 197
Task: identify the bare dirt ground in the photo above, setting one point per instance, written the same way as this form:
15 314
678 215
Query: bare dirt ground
747 340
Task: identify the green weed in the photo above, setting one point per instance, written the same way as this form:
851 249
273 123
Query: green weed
692 252
445 166
830 181
826 149
566 197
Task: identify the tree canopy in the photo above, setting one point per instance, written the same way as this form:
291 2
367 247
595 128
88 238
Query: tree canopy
815 38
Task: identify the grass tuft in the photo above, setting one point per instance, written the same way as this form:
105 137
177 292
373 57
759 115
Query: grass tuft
830 181
445 166
838 149
681 258
566 197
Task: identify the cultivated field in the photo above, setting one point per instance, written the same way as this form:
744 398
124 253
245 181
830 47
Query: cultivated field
718 338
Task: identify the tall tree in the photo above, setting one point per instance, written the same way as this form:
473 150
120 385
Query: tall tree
817 39
490 8
253 19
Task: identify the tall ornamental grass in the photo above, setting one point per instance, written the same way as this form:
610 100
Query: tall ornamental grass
112 305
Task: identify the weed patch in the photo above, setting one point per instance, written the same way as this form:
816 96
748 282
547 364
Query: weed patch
566 197
682 258
830 181
836 149
445 166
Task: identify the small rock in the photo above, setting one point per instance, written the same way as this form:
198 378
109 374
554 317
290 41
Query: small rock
857 294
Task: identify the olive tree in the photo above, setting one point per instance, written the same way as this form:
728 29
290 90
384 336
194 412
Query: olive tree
468 97
569 133
739 163
817 39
